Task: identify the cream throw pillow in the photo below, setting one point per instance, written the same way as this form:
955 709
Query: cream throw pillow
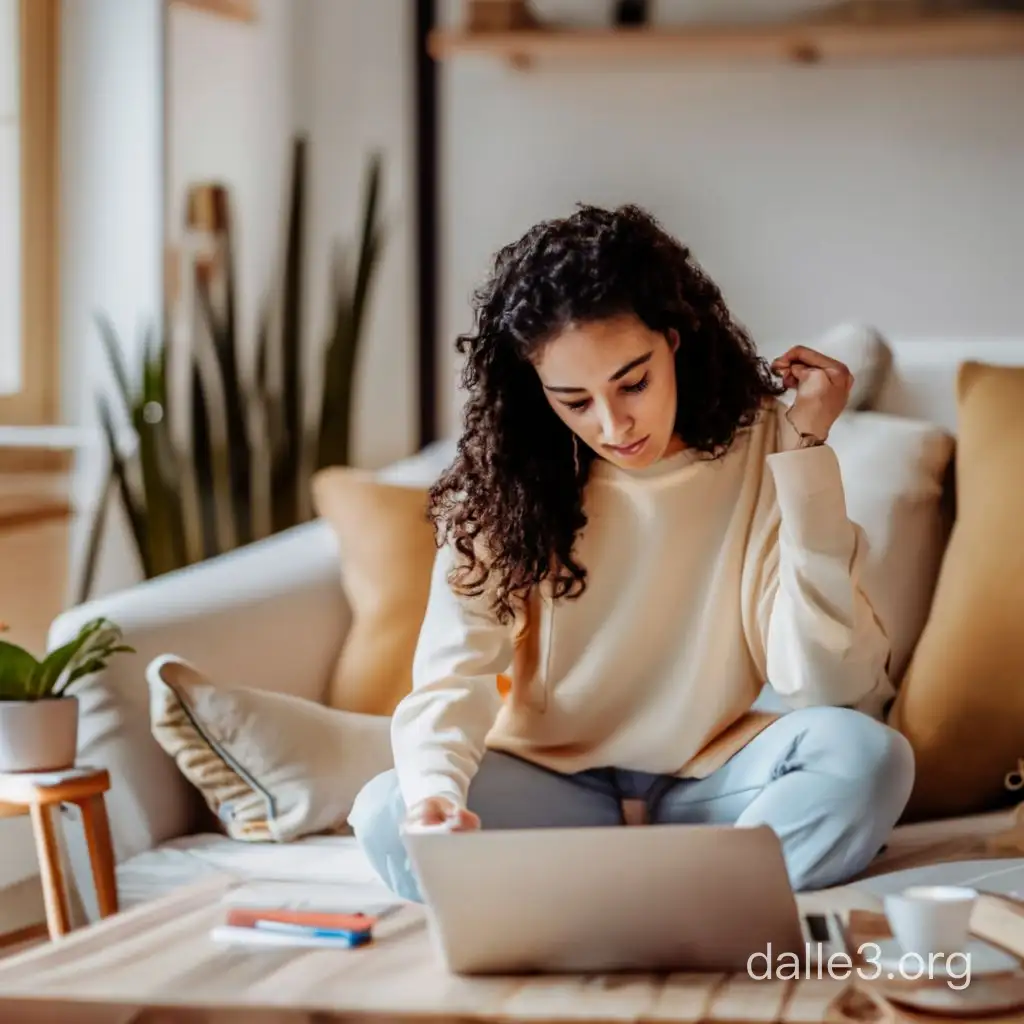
271 766
386 550
867 354
894 474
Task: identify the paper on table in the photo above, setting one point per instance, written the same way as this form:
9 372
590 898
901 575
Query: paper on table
319 896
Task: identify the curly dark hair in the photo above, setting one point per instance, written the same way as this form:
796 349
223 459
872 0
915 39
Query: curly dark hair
511 503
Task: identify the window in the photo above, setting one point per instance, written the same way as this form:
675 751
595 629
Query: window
10 190
28 212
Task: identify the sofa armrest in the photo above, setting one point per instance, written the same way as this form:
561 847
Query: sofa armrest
271 615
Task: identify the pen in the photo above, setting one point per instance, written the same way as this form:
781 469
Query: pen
349 936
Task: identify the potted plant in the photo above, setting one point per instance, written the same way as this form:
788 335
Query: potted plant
38 717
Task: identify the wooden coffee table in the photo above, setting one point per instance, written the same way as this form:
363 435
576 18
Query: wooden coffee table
158 960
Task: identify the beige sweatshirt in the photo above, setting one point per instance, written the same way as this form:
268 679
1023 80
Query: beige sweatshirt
705 578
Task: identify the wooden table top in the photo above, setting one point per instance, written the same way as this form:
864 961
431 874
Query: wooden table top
159 955
53 787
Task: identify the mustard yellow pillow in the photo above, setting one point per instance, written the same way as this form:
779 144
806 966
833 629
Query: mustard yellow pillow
961 701
386 548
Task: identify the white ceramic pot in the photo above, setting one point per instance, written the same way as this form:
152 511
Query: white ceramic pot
38 735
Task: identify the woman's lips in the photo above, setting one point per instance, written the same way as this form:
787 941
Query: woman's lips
632 449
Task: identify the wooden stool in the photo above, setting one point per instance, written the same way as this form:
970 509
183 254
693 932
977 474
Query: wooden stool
35 795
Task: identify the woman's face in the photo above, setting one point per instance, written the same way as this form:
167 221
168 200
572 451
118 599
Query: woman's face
613 383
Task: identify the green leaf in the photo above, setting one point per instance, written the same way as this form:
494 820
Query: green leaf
49 670
286 498
96 642
108 338
17 671
159 482
231 401
370 245
212 387
350 300
136 515
94 542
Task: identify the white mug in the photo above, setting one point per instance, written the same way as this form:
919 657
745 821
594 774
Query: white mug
931 919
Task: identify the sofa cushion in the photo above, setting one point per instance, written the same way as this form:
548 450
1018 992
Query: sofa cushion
963 848
422 468
961 701
271 766
386 546
894 472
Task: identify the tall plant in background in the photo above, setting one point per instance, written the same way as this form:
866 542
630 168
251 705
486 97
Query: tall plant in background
244 471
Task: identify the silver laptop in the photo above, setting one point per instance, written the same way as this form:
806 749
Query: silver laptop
587 900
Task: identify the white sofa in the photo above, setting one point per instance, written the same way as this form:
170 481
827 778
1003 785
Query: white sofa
274 615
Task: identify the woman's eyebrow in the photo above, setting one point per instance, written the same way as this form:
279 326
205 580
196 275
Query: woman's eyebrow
617 375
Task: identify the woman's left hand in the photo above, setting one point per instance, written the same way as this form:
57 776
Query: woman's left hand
822 388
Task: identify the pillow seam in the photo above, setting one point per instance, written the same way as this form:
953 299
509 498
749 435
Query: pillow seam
236 766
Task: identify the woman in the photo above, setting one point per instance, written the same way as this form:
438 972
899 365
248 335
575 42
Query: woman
641 533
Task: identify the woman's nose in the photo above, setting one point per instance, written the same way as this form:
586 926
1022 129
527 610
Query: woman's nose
615 425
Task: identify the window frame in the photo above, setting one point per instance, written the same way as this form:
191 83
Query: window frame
38 401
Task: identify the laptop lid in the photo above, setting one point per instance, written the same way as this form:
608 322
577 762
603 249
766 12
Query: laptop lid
648 898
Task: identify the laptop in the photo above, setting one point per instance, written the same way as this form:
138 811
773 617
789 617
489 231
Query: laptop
605 900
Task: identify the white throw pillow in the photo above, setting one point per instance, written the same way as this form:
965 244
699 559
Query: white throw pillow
868 356
271 766
893 472
865 351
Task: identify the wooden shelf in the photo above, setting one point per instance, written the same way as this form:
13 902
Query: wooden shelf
966 35
237 10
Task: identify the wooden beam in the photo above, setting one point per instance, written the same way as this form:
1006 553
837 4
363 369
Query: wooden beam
427 248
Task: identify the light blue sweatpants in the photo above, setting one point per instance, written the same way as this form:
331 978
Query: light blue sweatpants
831 783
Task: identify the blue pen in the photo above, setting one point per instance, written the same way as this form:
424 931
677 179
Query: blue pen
343 935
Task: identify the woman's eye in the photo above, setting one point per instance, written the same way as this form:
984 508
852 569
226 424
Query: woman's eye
577 406
640 385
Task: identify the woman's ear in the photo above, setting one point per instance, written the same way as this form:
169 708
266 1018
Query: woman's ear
673 340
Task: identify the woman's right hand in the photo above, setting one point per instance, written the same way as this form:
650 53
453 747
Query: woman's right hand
441 811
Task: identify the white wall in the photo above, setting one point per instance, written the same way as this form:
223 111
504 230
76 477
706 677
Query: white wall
230 118
237 94
110 96
111 183
356 96
890 193
111 221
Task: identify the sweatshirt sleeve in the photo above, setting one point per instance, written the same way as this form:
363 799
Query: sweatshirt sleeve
438 730
821 640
